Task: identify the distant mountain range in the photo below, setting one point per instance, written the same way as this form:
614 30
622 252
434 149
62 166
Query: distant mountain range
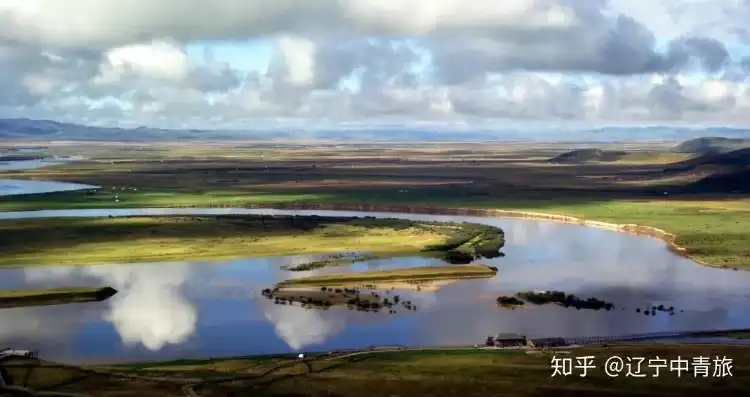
53 130
666 133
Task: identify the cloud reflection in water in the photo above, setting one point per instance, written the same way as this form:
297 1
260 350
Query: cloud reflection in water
149 308
211 308
300 327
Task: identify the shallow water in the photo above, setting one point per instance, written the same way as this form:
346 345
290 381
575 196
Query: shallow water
32 164
10 187
213 308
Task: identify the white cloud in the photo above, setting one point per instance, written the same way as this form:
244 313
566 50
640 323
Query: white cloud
158 59
615 61
297 56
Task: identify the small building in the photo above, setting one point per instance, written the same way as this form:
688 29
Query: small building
18 353
546 342
506 340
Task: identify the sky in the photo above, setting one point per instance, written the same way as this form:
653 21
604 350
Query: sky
326 63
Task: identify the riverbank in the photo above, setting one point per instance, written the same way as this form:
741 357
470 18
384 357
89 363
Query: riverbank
732 255
417 372
101 240
54 296
713 231
428 273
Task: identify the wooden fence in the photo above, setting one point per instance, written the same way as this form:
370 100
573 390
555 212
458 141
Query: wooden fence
596 340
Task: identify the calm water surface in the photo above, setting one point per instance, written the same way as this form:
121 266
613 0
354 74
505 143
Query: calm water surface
9 187
209 308
32 164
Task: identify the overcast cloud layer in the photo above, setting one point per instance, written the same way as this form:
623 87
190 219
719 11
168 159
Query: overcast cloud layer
616 61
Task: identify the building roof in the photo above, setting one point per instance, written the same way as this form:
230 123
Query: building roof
15 352
537 340
509 336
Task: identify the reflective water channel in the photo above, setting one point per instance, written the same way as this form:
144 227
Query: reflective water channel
10 187
211 308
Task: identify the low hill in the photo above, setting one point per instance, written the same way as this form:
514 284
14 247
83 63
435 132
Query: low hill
712 145
581 156
718 172
726 161
730 182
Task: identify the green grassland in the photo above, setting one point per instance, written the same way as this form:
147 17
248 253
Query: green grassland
164 238
429 372
715 231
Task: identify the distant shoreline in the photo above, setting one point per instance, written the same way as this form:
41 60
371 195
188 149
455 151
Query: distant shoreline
54 296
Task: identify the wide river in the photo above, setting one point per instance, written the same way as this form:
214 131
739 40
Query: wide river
211 308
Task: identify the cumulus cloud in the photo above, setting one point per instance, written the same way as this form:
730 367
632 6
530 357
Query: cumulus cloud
342 60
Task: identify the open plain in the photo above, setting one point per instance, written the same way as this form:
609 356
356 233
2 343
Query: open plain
652 184
419 372
653 188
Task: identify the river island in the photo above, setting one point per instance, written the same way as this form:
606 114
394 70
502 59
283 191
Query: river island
133 239
54 296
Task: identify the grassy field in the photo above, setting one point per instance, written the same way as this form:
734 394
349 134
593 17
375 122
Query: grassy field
735 335
163 238
396 275
443 372
653 157
714 228
13 294
53 296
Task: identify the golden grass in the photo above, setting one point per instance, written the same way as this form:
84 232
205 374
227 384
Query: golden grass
53 296
395 275
50 291
653 157
86 241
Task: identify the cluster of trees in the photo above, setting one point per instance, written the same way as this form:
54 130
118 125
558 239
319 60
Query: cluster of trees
472 242
509 301
372 302
565 300
659 308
